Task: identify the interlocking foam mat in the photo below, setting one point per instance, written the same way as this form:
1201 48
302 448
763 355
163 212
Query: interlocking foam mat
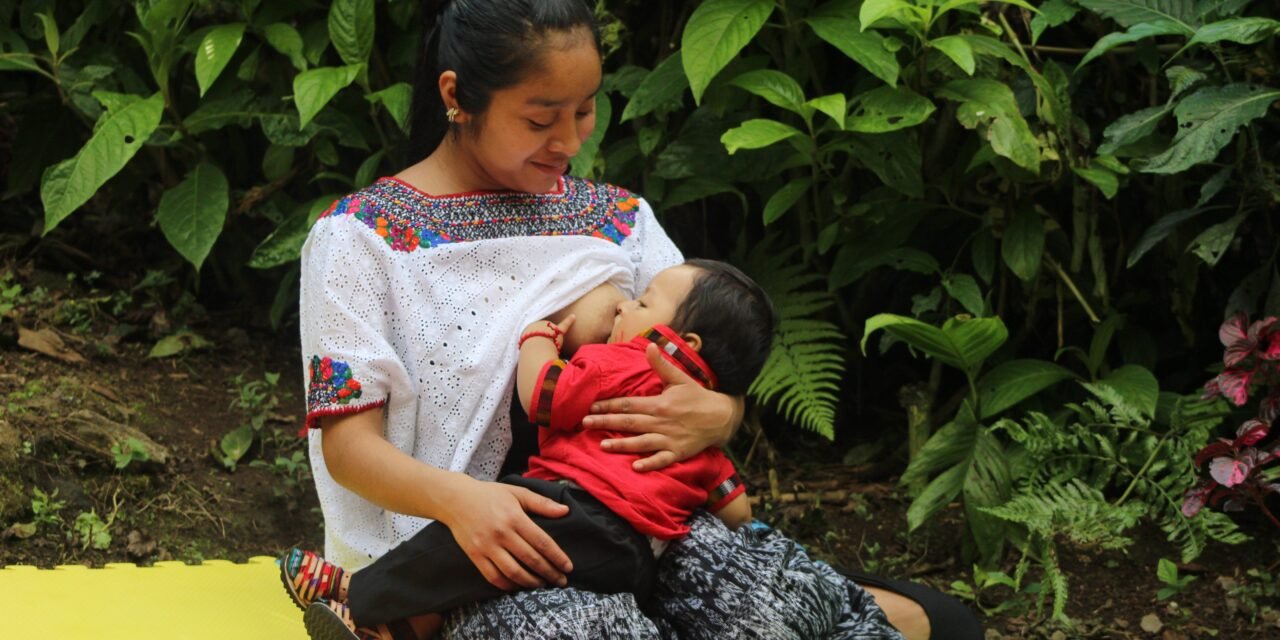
217 599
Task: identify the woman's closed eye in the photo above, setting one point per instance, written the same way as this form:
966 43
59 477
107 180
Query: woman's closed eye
538 126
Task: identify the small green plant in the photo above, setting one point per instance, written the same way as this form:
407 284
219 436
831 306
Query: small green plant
294 473
257 398
16 399
92 531
1167 572
1257 595
45 508
986 588
130 451
10 293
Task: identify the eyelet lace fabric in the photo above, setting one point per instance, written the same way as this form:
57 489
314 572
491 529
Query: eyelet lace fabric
421 300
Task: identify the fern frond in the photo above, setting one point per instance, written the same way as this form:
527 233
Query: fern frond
805 368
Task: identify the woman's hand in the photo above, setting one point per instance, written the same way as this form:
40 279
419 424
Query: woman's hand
491 526
676 425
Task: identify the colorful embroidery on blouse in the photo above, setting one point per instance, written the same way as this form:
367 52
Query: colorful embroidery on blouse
407 219
546 392
330 383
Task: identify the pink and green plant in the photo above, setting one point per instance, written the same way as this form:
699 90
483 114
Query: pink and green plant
1238 467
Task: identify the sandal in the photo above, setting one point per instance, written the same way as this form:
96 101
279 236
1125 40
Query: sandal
330 620
307 577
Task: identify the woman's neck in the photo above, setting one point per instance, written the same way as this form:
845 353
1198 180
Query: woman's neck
449 169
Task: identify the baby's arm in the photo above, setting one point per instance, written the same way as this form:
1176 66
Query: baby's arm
736 513
535 352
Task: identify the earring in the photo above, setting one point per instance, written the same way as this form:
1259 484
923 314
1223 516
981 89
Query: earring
451 114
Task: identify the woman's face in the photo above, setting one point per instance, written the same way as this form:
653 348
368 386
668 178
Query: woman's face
523 141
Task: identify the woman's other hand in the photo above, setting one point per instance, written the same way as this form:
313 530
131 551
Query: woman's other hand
491 525
683 420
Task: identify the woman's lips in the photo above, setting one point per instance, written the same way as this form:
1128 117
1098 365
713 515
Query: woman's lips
555 169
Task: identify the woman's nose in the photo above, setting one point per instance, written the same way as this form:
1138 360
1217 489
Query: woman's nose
565 140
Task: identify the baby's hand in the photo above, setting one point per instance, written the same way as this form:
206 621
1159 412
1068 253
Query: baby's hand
551 330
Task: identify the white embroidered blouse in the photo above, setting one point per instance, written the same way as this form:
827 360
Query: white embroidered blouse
414 303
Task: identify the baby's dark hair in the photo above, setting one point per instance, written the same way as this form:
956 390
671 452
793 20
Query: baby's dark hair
735 319
491 45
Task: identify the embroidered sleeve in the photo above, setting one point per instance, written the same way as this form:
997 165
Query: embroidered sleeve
728 487
347 359
652 250
564 392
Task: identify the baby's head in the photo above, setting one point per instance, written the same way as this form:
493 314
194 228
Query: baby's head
716 308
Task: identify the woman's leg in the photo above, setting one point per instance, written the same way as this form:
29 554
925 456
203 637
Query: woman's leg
905 614
917 610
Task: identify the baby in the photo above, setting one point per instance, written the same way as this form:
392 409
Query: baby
705 317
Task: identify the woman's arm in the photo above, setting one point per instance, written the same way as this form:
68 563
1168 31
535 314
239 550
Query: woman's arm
488 519
675 425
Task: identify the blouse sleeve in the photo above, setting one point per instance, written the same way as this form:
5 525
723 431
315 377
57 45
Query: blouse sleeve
348 362
728 484
564 392
653 250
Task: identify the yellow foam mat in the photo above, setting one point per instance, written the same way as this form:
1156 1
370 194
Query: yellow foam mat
217 599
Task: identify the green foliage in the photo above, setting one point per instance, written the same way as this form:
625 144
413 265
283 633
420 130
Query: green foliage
1167 573
258 399
802 374
92 531
130 451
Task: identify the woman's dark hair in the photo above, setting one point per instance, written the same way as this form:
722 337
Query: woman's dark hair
735 319
491 45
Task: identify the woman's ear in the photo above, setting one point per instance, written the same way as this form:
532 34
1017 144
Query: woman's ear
693 340
449 94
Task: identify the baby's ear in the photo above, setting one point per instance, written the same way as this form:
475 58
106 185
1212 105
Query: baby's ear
693 340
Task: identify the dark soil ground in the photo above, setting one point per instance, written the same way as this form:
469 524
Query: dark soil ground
56 404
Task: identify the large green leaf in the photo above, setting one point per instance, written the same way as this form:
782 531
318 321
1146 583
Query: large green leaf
833 105
1104 179
1238 30
937 494
783 199
964 289
1207 121
70 183
894 157
989 106
216 49
395 99
1135 384
351 27
1131 12
1212 243
949 445
1023 245
1012 382
716 32
1135 33
582 163
313 89
887 109
285 39
757 133
988 482
843 31
873 11
1159 231
1132 127
284 245
1052 13
778 88
851 265
661 86
191 214
958 49
963 343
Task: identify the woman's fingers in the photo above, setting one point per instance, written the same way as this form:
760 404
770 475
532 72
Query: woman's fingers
540 554
506 563
643 443
492 574
633 415
659 460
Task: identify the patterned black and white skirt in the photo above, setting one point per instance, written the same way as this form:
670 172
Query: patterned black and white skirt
714 583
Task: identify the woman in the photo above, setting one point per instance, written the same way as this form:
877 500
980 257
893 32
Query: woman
413 288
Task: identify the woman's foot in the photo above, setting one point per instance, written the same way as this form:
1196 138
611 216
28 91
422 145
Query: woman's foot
307 578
